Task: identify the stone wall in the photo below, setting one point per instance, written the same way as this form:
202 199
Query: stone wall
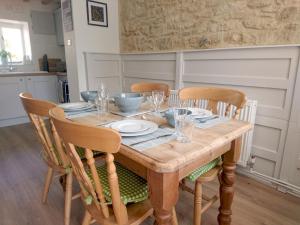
163 25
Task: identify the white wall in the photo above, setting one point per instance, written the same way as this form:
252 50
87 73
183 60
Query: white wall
40 44
87 38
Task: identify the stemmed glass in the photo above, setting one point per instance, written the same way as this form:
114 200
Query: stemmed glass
157 99
101 100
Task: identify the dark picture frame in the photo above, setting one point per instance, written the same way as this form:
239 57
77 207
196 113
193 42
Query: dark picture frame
97 13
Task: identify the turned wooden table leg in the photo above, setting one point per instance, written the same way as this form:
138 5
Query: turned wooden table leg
163 189
227 181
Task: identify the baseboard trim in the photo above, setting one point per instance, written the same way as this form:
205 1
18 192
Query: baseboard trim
280 185
14 121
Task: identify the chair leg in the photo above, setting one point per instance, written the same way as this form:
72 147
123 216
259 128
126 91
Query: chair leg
87 218
68 198
48 181
174 217
197 203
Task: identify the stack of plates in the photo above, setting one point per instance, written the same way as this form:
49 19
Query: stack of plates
198 113
132 128
77 106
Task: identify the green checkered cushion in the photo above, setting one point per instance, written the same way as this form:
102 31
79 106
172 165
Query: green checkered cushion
132 187
80 152
203 169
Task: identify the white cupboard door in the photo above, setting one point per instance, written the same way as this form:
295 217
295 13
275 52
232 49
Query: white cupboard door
43 87
10 103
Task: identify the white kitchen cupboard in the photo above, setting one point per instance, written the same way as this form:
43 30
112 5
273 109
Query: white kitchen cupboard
59 27
11 109
10 104
43 87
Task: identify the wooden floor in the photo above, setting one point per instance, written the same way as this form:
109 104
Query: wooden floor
22 176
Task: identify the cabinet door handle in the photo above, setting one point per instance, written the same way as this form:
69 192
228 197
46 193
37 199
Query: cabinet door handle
29 78
21 79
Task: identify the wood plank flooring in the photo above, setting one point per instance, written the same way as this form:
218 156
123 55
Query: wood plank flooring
22 173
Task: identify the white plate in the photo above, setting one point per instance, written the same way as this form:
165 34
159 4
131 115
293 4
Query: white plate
138 127
77 106
131 126
200 113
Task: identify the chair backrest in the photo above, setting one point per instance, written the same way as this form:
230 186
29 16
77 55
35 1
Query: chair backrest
213 96
148 87
38 113
100 139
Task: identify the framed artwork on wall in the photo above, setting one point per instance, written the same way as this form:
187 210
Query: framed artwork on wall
97 13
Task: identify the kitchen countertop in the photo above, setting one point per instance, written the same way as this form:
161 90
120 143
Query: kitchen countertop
35 73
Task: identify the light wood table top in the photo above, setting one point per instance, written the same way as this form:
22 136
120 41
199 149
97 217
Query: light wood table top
173 155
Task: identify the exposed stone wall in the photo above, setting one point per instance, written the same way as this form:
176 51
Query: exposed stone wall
161 25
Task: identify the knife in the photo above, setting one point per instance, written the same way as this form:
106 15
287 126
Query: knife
151 139
204 120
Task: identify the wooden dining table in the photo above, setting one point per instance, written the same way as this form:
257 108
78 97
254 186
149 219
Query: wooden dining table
164 166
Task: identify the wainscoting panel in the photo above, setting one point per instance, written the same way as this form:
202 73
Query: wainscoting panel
106 69
149 68
264 74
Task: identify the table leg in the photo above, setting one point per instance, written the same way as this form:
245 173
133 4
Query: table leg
227 181
163 189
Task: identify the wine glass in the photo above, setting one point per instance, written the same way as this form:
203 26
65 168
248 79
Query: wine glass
102 100
157 99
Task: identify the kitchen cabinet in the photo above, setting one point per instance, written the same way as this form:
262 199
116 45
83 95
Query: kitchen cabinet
43 22
59 27
43 87
11 109
10 104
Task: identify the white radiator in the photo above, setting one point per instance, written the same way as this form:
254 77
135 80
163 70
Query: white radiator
248 113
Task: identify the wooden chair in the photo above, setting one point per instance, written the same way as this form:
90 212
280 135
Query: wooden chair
210 171
53 150
148 87
111 194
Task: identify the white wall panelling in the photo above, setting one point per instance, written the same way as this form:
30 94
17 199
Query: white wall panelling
265 74
149 68
290 171
106 69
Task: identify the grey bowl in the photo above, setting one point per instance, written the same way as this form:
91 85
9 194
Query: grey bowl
88 95
128 102
169 115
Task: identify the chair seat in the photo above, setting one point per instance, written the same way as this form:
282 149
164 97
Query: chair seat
203 169
133 188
